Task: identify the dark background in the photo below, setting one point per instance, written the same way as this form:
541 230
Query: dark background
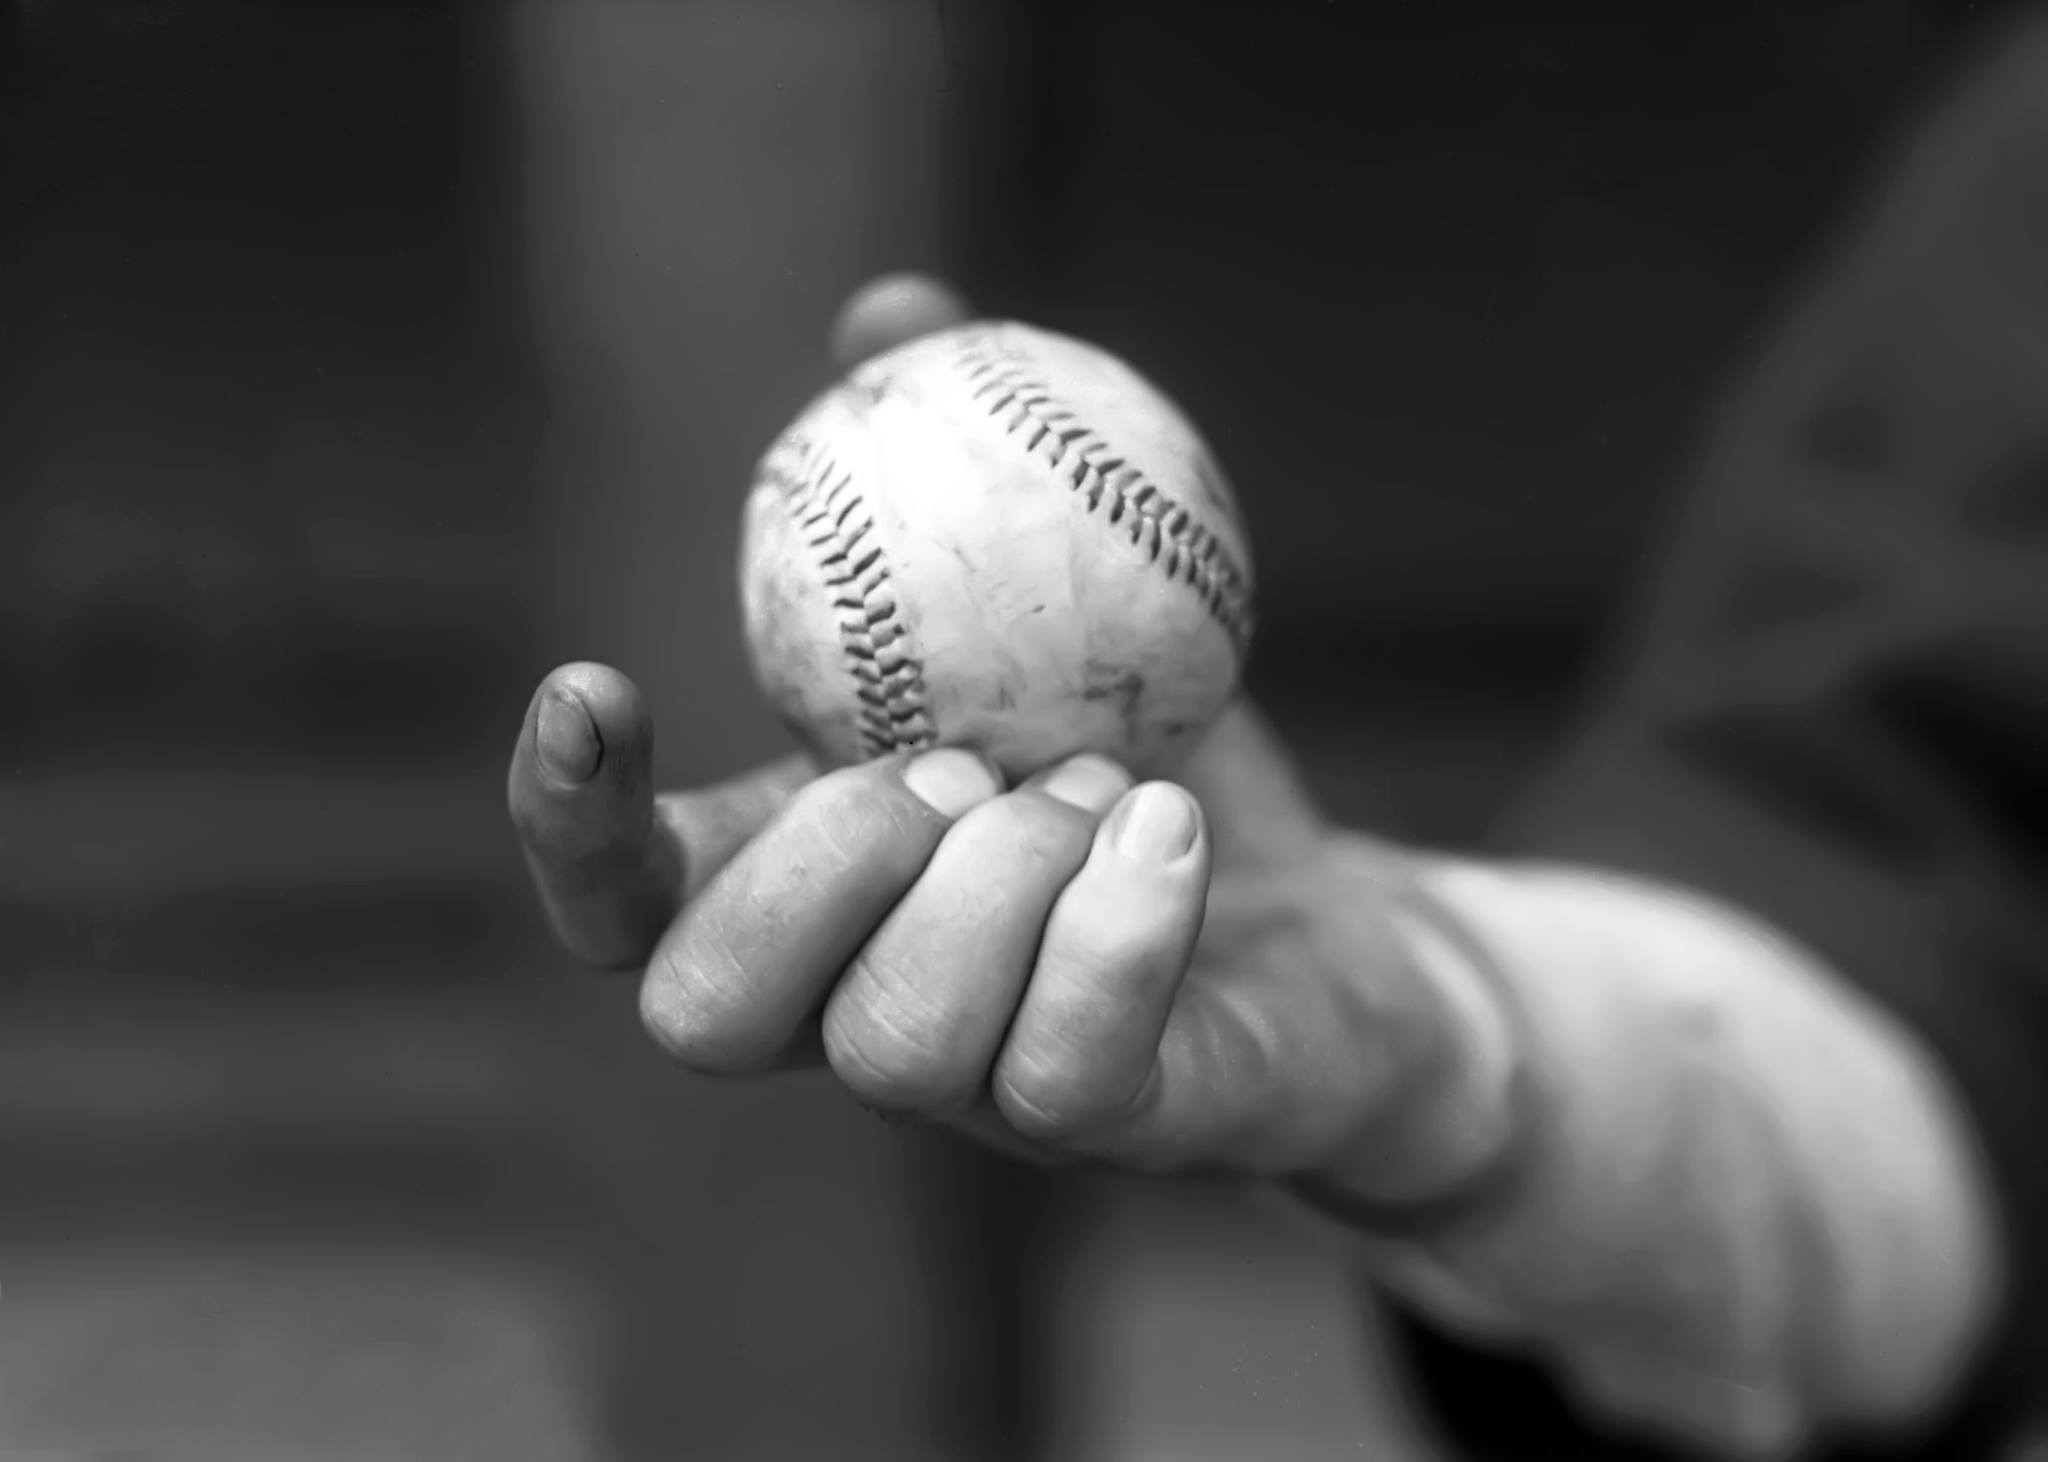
361 361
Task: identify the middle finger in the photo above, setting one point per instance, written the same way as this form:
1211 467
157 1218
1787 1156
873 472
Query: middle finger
917 1020
751 957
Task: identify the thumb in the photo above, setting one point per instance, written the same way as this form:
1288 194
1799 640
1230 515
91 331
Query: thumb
1259 809
612 862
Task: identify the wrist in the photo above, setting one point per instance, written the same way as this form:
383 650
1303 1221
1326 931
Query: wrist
1456 1130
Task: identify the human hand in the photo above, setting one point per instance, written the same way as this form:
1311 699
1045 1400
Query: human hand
1200 976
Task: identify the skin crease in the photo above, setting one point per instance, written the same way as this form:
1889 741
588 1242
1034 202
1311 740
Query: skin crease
1248 1006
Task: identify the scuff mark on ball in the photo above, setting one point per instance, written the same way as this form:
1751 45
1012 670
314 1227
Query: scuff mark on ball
1125 684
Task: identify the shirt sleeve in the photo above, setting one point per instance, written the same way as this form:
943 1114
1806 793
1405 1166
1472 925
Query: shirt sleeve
1830 706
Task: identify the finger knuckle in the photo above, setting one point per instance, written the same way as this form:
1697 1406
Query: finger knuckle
895 1063
668 1018
1049 1102
678 1012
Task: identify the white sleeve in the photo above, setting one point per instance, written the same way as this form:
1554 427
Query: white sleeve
1751 1210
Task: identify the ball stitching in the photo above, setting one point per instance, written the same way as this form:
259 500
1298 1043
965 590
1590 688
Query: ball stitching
1024 406
893 712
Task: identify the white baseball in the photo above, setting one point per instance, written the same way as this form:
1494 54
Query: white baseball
999 538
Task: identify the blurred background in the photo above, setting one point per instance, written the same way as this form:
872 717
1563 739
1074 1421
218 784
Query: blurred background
364 360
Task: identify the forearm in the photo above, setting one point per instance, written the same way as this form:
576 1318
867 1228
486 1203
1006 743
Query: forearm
1739 1202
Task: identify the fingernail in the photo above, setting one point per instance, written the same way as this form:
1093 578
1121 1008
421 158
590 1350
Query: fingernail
951 780
565 739
1156 824
1092 783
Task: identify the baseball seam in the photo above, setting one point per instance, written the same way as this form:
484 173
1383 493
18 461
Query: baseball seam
1025 407
892 712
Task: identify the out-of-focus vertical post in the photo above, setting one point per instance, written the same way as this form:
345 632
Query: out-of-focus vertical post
704 183
706 180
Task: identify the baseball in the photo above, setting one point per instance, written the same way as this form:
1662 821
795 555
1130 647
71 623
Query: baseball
998 538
